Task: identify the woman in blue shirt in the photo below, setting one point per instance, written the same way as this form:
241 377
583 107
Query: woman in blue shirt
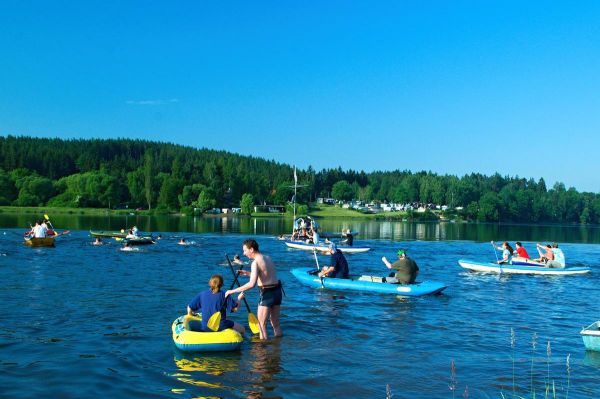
211 301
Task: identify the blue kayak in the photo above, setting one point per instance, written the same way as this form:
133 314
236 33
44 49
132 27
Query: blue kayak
491 267
367 284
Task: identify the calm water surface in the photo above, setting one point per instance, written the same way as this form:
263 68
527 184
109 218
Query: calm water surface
82 321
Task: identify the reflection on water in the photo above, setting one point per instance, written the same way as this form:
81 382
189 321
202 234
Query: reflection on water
203 371
265 364
367 229
215 375
592 358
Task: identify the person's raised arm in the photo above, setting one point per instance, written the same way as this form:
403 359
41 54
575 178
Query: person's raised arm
386 262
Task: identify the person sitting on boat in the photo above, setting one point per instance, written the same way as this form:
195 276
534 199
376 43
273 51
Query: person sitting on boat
520 251
548 255
348 237
31 233
40 230
339 267
559 257
211 301
49 231
406 269
507 252
314 235
133 233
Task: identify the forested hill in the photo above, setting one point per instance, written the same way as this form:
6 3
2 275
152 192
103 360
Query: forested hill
168 177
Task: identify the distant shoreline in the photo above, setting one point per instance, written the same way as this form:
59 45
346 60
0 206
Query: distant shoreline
320 212
317 212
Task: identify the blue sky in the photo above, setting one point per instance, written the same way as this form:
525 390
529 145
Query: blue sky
449 87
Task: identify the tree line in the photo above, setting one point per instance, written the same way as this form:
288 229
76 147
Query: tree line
165 177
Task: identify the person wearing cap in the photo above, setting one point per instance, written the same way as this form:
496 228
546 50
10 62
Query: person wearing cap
406 268
559 257
339 267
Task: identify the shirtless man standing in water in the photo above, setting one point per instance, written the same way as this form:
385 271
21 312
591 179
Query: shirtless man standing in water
264 274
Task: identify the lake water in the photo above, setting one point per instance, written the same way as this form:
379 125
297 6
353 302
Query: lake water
83 321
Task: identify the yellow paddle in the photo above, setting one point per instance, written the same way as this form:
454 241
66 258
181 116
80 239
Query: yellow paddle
50 223
252 320
214 322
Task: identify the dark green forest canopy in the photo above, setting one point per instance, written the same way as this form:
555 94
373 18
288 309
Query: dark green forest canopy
163 176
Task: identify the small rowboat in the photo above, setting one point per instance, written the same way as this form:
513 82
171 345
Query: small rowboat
40 242
591 336
188 340
140 240
491 267
324 247
108 234
367 284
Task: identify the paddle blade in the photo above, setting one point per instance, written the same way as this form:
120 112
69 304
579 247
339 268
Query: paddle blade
214 322
253 323
46 216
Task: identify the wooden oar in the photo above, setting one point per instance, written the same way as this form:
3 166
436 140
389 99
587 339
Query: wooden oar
252 320
214 322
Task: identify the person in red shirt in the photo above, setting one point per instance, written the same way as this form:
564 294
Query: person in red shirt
521 251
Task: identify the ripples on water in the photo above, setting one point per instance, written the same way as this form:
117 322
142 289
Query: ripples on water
82 321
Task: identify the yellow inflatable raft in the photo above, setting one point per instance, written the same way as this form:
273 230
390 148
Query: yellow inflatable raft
188 340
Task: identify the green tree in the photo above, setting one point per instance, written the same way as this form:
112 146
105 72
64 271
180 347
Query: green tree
169 192
205 201
149 178
342 191
488 207
135 186
34 191
8 191
247 203
190 193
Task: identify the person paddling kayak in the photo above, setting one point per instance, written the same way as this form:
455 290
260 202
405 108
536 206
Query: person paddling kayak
339 267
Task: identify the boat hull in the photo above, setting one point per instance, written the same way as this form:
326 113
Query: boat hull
591 336
354 284
490 267
107 234
195 341
140 241
40 242
325 247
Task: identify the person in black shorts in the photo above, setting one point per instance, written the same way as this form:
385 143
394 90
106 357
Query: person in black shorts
264 274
